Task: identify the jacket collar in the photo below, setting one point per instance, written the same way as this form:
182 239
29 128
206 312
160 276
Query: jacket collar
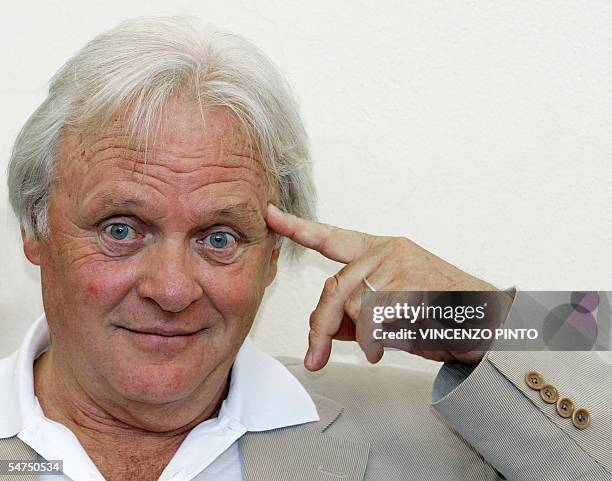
264 395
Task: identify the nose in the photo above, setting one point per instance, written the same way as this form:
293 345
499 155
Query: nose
171 278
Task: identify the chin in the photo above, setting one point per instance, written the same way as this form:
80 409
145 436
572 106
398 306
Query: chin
159 384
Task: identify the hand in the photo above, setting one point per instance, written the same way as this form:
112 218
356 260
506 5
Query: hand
389 263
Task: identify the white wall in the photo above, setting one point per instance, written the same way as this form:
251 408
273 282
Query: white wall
480 129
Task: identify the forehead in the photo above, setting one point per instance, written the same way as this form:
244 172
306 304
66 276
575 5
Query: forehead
186 149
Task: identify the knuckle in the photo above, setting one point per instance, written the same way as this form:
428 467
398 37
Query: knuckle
331 286
401 243
369 241
314 320
325 239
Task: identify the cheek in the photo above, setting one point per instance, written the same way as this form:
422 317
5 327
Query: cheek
80 278
77 300
104 283
77 292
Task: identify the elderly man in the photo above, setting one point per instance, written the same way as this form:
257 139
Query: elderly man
146 185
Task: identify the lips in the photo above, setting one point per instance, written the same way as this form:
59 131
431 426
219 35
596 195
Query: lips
162 342
163 331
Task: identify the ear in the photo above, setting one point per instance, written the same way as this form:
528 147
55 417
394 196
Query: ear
31 248
273 266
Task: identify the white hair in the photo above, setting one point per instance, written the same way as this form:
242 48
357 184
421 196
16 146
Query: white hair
139 65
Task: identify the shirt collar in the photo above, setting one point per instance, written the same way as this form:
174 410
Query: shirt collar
263 394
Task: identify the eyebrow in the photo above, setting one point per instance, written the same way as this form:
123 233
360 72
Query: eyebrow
242 214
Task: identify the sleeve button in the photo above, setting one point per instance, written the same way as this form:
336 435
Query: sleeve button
565 407
534 380
581 418
549 394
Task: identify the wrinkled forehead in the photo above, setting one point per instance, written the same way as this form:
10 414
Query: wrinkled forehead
181 124
183 130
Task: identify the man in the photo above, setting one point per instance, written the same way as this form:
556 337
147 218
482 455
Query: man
145 185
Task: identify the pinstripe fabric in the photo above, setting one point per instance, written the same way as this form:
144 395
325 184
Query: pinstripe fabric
301 453
522 436
15 448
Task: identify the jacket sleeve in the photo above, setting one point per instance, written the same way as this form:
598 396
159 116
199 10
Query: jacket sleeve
522 436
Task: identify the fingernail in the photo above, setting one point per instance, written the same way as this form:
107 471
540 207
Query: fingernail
274 208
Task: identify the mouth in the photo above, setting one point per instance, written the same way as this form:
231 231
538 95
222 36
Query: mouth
163 332
163 341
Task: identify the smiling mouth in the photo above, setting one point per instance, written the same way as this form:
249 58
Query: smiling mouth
163 332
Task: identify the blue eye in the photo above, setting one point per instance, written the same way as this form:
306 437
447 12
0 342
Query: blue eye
119 231
220 240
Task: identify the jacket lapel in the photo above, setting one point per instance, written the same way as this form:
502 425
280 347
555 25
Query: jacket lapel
304 452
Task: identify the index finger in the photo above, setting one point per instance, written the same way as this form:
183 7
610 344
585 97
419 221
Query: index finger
341 245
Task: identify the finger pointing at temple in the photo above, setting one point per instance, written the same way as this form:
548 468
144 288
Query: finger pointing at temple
340 245
331 318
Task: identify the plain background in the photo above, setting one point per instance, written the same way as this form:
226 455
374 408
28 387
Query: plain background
480 129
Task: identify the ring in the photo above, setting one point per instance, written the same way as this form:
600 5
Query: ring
367 283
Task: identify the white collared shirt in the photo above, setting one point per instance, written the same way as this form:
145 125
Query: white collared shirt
263 395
